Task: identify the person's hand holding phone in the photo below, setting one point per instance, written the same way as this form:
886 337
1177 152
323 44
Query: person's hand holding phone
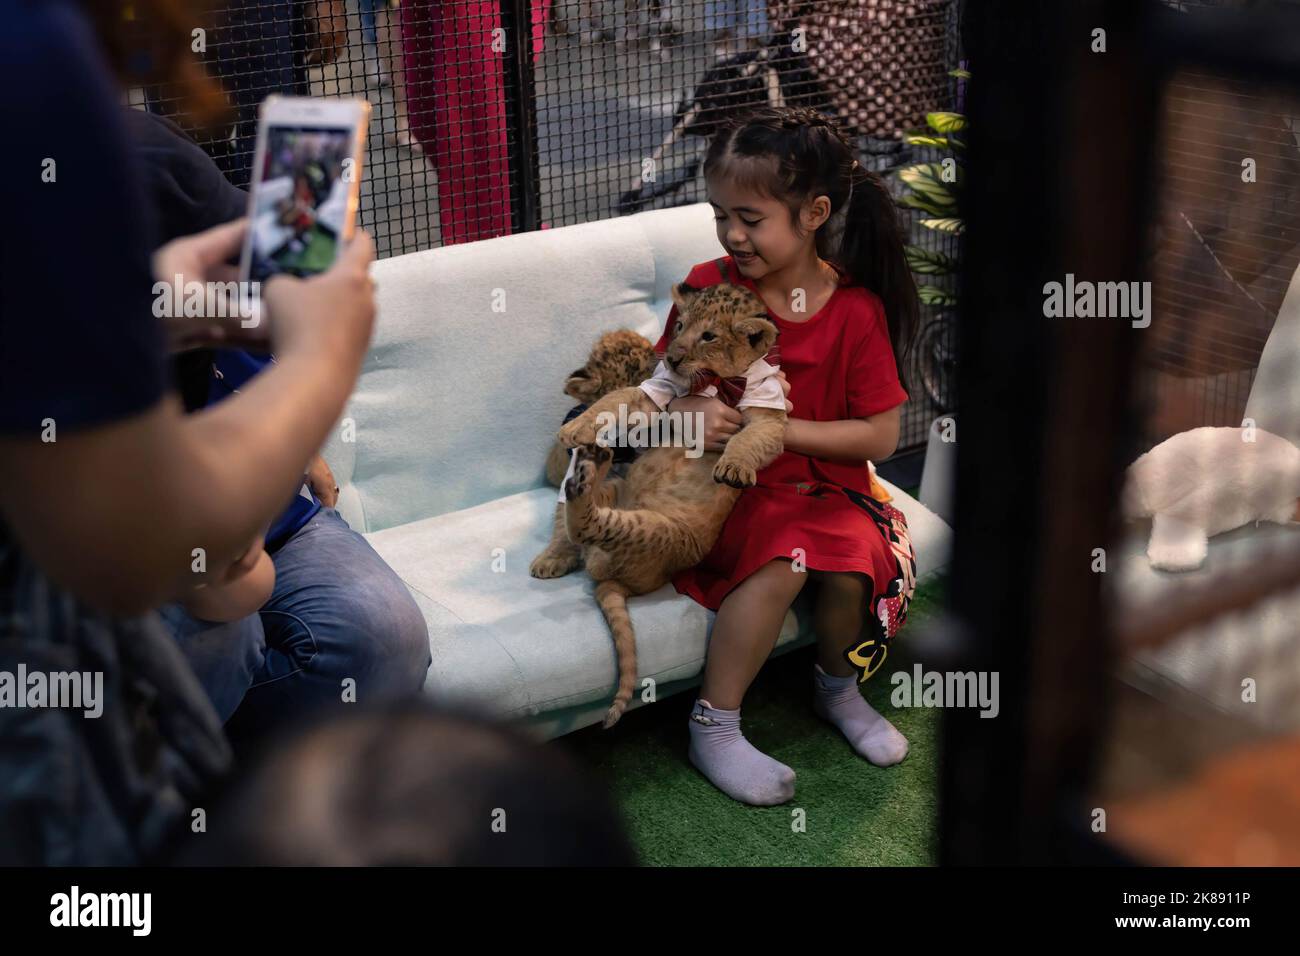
333 312
203 258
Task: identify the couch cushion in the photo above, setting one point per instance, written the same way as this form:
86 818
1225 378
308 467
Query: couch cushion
511 645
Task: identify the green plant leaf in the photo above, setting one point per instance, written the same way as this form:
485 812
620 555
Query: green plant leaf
950 224
940 195
933 295
945 122
929 262
960 74
920 171
923 203
926 139
926 179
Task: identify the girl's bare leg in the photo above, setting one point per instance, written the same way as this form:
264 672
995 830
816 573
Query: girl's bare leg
746 629
838 620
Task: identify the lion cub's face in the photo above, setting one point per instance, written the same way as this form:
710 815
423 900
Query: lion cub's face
722 328
618 360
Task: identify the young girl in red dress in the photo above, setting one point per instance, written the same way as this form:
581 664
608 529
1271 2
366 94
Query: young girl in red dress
815 236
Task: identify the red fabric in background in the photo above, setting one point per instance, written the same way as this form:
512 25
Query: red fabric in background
455 96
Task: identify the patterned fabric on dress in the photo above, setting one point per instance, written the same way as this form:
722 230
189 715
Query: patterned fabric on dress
889 613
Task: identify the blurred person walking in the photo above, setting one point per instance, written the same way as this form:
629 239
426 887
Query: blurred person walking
457 106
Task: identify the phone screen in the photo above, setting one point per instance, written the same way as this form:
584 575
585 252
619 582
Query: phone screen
300 201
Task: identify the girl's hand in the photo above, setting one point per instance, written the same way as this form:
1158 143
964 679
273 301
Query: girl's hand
785 387
721 421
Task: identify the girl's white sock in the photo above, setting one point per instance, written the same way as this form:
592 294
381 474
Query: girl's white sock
732 763
838 700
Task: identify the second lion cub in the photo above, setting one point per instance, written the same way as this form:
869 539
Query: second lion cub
633 534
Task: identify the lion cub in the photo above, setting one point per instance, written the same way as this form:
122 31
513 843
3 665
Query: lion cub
633 534
619 359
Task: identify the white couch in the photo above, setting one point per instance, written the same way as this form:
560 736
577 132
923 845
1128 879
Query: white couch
450 424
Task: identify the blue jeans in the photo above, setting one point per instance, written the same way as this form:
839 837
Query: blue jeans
367 10
337 612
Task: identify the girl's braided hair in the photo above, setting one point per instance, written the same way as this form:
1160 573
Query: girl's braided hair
794 155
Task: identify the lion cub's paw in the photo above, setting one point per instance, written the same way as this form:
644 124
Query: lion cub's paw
580 431
592 465
548 565
734 474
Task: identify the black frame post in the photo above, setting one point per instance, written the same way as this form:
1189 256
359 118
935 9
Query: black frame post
521 116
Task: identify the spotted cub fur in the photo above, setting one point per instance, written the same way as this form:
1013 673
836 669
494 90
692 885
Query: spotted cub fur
617 360
634 533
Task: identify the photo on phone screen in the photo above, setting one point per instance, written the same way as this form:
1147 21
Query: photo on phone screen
300 204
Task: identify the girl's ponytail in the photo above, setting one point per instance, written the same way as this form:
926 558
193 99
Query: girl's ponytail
870 248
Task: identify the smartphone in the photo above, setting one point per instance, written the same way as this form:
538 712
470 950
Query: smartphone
302 203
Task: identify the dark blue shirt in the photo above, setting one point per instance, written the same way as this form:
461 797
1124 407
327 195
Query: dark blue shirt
79 344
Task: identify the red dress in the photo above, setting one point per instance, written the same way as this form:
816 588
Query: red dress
840 365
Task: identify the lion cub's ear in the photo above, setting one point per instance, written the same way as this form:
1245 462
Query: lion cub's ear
582 385
760 332
683 295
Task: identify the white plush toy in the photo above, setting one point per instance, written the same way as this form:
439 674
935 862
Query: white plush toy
1207 481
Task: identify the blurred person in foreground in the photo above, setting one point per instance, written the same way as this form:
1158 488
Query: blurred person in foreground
409 786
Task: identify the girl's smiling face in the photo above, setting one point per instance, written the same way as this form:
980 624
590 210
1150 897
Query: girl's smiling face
756 229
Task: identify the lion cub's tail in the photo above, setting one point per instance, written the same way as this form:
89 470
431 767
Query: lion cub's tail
612 598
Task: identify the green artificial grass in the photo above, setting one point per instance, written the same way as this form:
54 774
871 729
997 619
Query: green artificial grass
854 814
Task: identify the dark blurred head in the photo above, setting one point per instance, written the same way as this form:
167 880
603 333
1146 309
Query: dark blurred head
410 786
149 42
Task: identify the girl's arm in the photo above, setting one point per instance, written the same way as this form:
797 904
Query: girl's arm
874 438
